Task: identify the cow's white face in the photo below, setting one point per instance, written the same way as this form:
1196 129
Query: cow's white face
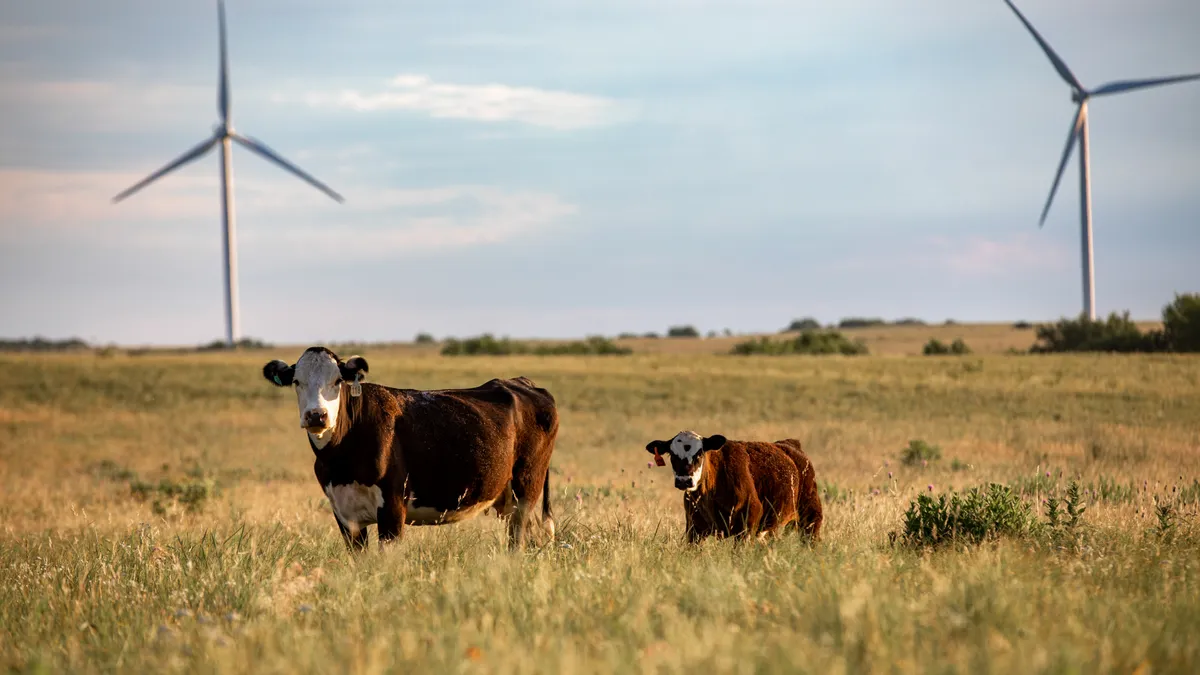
686 445
318 383
317 378
686 452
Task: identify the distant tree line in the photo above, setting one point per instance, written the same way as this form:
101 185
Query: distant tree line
1119 333
850 323
244 343
489 345
807 342
41 344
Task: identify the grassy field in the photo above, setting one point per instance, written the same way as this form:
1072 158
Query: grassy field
158 514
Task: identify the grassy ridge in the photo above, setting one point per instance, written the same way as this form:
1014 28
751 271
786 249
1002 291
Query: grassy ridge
92 579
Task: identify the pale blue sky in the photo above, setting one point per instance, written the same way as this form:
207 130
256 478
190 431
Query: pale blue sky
567 168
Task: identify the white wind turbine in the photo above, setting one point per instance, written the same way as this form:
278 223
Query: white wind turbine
223 134
1079 132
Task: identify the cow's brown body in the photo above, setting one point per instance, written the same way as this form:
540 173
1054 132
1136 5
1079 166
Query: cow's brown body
402 456
457 451
750 488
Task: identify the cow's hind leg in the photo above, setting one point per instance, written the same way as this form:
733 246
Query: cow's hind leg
525 493
391 517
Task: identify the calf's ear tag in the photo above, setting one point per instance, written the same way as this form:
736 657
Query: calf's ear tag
277 380
658 459
355 387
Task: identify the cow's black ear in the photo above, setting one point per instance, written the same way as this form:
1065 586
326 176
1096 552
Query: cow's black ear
660 447
352 367
278 373
714 442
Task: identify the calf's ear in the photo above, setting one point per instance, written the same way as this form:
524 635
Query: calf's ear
278 373
658 447
352 367
714 442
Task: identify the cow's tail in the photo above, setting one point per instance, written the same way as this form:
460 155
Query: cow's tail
547 512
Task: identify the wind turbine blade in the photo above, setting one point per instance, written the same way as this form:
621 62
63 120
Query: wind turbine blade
191 155
1131 85
223 86
1059 65
1076 123
261 149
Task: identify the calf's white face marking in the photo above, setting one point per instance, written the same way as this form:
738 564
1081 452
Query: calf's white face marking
354 505
686 445
318 382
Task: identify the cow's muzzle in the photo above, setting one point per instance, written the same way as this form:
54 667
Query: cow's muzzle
315 420
684 482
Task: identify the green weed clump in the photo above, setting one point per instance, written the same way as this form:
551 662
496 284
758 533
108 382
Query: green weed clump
831 493
1104 489
971 516
807 342
936 347
1189 494
918 451
1065 513
490 346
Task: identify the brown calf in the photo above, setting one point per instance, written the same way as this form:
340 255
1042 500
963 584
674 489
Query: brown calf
742 488
401 456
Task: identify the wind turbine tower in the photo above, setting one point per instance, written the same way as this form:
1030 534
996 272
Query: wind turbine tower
1081 96
224 135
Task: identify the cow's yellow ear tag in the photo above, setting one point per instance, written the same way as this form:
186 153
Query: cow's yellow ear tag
658 459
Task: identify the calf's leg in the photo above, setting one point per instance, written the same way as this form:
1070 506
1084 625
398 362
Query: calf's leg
526 492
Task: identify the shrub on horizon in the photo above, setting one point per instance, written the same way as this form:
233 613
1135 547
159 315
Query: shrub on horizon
807 342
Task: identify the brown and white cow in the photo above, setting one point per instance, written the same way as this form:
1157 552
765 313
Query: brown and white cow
392 456
742 488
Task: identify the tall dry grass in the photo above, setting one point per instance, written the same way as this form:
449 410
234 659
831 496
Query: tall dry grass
255 578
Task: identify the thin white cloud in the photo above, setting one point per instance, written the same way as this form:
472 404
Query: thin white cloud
980 256
973 256
484 103
382 222
98 106
392 222
69 200
17 33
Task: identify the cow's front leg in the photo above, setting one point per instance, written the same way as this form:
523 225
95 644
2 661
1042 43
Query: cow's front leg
355 538
746 520
391 516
